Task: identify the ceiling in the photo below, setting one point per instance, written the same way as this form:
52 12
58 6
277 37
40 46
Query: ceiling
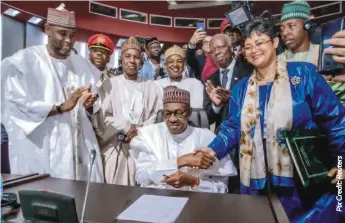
189 9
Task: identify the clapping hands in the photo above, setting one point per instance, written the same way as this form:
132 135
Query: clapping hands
217 95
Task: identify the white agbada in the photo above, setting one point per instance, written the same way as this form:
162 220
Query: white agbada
194 86
155 152
123 103
32 83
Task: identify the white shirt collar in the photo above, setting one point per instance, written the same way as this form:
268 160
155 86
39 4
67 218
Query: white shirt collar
182 136
230 67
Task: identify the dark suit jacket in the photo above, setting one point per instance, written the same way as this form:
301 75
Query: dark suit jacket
195 62
241 70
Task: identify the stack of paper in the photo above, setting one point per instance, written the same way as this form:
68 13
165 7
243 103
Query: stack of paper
151 208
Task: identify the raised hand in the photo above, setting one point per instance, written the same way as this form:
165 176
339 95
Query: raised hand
73 99
224 94
338 50
88 99
212 93
197 37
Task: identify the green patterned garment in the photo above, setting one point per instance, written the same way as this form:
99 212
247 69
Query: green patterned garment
310 56
339 90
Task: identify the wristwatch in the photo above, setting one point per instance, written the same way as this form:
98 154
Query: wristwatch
191 46
59 108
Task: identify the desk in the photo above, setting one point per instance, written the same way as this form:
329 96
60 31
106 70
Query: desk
107 201
8 177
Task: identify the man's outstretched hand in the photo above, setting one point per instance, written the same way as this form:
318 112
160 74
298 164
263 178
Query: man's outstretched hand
200 159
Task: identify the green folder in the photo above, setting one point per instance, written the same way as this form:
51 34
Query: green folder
309 154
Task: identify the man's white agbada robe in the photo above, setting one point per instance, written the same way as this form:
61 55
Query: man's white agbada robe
155 152
32 82
194 86
122 103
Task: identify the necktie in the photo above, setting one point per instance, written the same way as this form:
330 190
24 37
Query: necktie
225 77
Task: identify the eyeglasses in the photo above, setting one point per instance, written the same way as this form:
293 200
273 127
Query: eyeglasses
220 48
258 44
177 114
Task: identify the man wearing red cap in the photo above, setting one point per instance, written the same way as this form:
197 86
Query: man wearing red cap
101 48
48 129
235 35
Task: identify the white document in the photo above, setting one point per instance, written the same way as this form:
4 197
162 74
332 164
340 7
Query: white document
152 208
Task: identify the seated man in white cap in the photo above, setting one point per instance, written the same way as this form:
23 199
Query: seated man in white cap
163 152
48 129
175 65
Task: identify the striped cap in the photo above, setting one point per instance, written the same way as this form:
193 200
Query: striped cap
173 94
62 18
295 10
174 50
131 43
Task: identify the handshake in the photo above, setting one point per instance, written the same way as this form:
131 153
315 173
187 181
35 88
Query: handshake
200 159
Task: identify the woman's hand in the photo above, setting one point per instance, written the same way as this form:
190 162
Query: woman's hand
338 173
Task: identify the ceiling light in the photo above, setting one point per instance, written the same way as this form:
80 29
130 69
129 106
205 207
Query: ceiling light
11 12
172 3
35 20
119 42
61 7
131 16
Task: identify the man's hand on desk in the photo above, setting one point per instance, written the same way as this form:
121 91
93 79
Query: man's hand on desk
199 159
180 179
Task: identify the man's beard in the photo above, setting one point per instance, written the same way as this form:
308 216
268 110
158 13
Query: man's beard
62 52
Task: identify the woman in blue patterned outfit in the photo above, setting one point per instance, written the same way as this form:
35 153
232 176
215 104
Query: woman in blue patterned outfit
280 96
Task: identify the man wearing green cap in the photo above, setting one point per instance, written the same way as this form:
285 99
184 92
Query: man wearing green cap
295 38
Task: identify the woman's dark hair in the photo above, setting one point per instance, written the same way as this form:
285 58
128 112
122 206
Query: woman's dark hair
259 26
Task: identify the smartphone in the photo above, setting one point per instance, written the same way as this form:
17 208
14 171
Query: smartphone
201 25
326 64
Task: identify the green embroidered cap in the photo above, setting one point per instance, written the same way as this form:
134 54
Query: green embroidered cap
295 10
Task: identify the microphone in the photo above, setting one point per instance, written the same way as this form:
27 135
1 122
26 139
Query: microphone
92 160
92 157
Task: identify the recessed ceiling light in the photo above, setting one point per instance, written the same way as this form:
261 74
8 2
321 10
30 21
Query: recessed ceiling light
172 2
119 42
35 20
131 16
11 12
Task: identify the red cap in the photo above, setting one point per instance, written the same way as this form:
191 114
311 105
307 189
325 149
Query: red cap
102 42
225 24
